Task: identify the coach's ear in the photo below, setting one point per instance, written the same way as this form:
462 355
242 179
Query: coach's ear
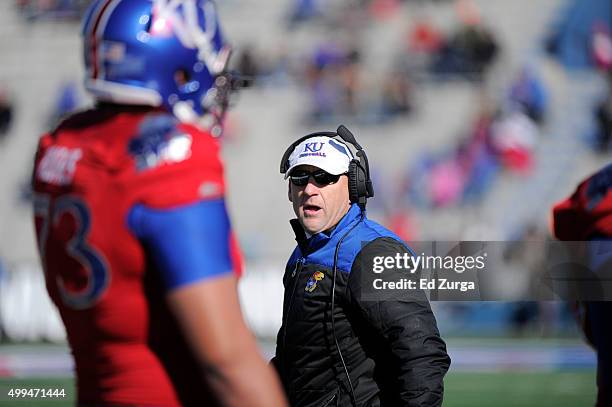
289 191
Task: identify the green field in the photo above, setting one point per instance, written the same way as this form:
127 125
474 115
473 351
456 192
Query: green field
500 389
541 389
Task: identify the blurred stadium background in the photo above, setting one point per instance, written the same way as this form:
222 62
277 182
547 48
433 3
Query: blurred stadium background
476 115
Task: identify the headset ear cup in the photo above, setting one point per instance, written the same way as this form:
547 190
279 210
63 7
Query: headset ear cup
362 189
353 182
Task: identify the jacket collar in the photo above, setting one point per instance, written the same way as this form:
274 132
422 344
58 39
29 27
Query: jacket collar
319 239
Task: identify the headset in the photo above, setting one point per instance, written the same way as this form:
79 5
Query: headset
360 184
360 189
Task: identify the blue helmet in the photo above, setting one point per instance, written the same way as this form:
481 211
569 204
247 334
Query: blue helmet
168 53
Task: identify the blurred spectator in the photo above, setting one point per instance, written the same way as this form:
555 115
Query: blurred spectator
578 39
383 9
480 174
333 78
6 113
528 92
447 183
322 80
54 9
397 94
436 180
335 74
461 175
304 10
424 37
514 137
423 41
416 181
477 159
469 53
603 117
467 12
350 81
248 66
466 171
401 223
602 46
478 45
471 49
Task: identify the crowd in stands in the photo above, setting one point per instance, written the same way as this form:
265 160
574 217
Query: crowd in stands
501 137
52 9
336 72
582 40
603 120
337 75
341 83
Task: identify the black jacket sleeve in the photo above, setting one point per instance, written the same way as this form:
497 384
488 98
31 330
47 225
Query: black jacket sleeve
410 354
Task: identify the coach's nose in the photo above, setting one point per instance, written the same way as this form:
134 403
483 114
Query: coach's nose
311 188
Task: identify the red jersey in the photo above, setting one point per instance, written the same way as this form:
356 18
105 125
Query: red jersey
128 205
587 213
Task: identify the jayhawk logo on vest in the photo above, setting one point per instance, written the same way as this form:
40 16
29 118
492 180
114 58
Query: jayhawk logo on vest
311 284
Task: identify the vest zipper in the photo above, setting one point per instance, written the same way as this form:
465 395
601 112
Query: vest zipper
295 274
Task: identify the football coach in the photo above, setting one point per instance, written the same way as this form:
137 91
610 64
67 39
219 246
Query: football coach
343 343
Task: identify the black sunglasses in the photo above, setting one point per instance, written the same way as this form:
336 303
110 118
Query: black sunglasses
300 177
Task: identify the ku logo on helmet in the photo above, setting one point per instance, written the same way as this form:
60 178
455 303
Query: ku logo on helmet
167 53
